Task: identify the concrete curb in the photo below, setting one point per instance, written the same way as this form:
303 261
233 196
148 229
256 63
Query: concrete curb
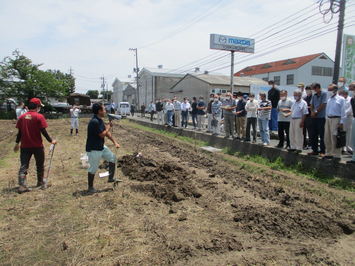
328 168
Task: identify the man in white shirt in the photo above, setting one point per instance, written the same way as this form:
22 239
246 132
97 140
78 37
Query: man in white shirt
348 120
284 119
252 109
302 89
335 115
299 110
20 110
169 108
352 102
74 114
185 108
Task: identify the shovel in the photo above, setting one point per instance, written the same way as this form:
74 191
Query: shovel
51 152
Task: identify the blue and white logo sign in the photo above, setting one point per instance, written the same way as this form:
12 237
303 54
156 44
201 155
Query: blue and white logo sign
231 43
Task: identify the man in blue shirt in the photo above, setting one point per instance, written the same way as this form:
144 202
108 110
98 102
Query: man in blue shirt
317 124
240 116
96 148
201 107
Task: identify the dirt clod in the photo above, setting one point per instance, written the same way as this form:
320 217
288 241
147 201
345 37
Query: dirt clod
164 181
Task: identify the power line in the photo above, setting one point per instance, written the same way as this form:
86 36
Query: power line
307 38
283 21
293 34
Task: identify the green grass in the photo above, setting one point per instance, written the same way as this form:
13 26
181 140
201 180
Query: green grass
193 141
298 169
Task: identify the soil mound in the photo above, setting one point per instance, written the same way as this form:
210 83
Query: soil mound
290 223
164 181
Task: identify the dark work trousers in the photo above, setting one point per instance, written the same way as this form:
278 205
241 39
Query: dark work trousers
251 121
151 115
284 128
25 157
307 131
194 119
185 118
317 126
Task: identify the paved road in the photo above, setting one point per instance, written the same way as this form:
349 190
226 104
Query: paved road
273 142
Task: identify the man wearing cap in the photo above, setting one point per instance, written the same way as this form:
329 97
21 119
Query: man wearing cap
95 148
30 127
299 110
228 106
301 87
335 115
74 114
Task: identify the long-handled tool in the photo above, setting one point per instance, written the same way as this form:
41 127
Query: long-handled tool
51 152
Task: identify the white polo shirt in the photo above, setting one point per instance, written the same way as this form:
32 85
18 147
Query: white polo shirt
299 109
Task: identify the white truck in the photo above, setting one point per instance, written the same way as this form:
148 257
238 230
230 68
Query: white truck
124 109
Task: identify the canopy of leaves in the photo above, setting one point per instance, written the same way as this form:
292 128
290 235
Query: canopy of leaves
22 79
93 94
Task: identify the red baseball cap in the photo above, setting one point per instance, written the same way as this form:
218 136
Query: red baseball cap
36 101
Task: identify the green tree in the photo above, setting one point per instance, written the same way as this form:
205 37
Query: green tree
106 94
93 94
21 78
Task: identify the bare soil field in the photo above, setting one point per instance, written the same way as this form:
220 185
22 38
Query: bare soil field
176 205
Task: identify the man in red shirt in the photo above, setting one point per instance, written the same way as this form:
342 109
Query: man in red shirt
30 127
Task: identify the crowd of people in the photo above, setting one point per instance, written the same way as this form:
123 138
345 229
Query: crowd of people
314 119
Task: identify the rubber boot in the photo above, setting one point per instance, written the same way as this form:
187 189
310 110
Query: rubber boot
111 169
91 188
76 131
23 184
71 131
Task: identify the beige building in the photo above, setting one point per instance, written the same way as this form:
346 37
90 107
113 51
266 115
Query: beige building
205 84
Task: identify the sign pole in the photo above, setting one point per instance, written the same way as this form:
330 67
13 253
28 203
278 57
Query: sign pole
232 71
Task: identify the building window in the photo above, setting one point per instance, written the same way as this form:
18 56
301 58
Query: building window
277 80
327 71
290 79
322 71
266 79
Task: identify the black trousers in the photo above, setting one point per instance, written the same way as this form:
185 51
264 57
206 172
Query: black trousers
284 128
317 126
25 157
307 130
251 121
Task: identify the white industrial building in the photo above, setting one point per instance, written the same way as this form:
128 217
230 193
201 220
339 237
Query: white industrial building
196 85
154 83
118 90
289 72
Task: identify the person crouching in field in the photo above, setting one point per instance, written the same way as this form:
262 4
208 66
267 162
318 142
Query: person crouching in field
95 148
74 116
30 127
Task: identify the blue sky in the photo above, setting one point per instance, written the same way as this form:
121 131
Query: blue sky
92 37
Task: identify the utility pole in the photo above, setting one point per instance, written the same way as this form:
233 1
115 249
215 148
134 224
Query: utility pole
71 71
329 8
232 71
103 87
339 41
137 71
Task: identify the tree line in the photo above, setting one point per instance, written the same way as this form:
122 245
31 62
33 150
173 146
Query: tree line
20 78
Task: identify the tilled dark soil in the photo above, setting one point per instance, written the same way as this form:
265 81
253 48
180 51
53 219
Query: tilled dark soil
168 181
243 206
